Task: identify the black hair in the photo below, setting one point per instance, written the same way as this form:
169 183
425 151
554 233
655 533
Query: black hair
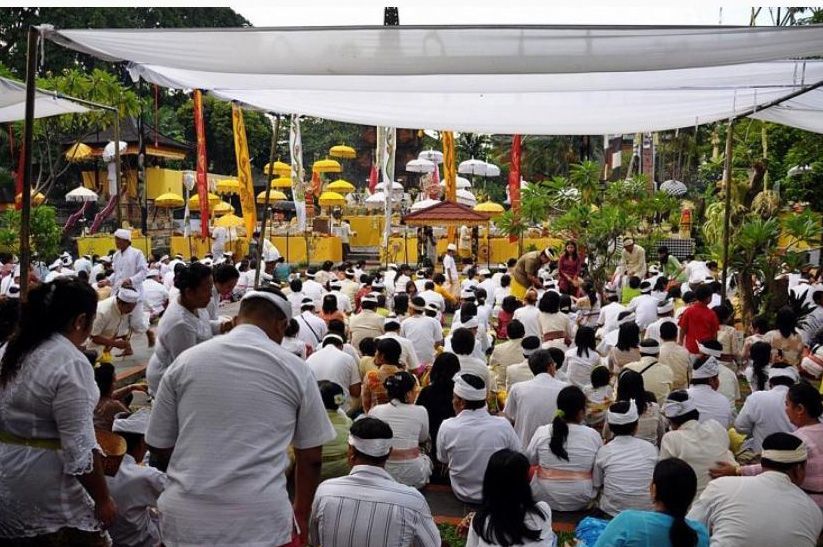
565 303
100 276
570 401
510 304
328 392
505 281
467 311
675 484
549 302
390 349
761 324
337 326
663 250
689 297
329 304
634 282
780 441
333 340
723 313
292 328
223 273
680 396
703 292
462 341
471 272
600 376
511 262
327 265
190 277
439 278
429 286
622 407
585 341
761 354
781 380
558 356
83 275
399 384
367 347
368 304
507 501
630 386
480 294
9 314
628 336
668 330
104 377
786 321
445 366
515 330
401 304
660 284
296 285
540 361
371 428
674 292
49 309
807 396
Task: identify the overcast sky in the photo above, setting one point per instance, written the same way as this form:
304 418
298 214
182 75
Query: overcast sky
421 12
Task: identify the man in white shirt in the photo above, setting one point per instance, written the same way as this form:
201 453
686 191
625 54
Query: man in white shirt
466 442
697 271
521 372
83 264
533 403
657 377
58 269
296 295
488 285
700 444
128 263
367 506
425 333
433 297
665 313
506 354
408 357
312 288
450 269
703 391
462 344
644 306
225 415
155 295
529 315
312 328
335 365
219 235
343 302
135 488
632 259
766 510
607 320
346 233
764 412
368 323
348 286
117 318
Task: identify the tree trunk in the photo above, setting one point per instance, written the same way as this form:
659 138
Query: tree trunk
748 308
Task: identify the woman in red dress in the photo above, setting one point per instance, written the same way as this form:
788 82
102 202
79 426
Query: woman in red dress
568 268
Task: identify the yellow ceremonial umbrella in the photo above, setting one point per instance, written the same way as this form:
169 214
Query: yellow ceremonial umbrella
282 182
169 201
330 199
229 221
274 195
280 168
222 208
326 166
490 208
78 152
194 201
342 151
36 199
228 186
341 186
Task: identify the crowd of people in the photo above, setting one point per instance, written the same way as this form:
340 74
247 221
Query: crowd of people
318 412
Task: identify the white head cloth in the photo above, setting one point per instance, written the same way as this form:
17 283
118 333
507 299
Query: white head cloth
275 299
376 448
798 455
649 347
466 391
709 351
138 422
431 306
129 296
673 409
621 419
122 233
709 369
628 319
645 287
667 306
334 337
783 372
471 323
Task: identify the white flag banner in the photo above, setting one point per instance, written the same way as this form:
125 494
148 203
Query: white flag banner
387 146
298 188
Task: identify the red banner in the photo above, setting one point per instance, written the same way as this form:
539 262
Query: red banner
373 178
202 165
514 179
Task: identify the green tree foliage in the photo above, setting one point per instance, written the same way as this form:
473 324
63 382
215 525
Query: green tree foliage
45 232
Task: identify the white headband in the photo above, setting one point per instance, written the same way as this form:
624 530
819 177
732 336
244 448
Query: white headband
709 351
466 391
129 296
628 319
334 337
783 372
709 369
665 307
376 448
649 350
798 455
470 323
627 418
275 299
673 409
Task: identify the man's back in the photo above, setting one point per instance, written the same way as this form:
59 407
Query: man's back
366 324
533 403
676 358
230 407
368 507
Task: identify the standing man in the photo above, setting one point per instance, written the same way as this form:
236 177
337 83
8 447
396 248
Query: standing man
450 269
246 399
346 234
219 235
128 263
525 271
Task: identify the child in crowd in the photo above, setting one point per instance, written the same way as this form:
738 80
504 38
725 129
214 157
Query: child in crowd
631 291
599 396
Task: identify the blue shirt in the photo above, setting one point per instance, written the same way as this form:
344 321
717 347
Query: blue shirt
645 529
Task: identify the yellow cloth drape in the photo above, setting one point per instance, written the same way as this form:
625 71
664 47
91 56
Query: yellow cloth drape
241 151
450 174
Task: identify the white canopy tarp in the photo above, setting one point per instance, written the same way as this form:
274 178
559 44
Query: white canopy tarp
804 112
503 79
13 103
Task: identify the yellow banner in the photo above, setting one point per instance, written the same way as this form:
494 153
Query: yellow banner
449 167
241 152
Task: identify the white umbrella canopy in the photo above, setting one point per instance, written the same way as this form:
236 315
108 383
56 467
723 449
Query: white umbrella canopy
377 199
798 170
108 151
460 182
472 167
431 155
492 170
464 197
420 166
81 194
674 188
395 186
424 204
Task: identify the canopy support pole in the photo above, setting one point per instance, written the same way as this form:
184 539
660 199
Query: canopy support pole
727 214
28 142
117 173
275 134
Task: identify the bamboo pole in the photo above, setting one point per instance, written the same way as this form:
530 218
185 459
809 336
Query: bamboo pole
727 214
272 156
28 143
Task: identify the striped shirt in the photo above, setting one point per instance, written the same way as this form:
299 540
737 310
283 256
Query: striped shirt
369 508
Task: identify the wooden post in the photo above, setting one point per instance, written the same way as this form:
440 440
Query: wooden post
117 165
28 144
727 185
272 156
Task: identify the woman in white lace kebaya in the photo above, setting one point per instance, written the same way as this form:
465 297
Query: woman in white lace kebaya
52 486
